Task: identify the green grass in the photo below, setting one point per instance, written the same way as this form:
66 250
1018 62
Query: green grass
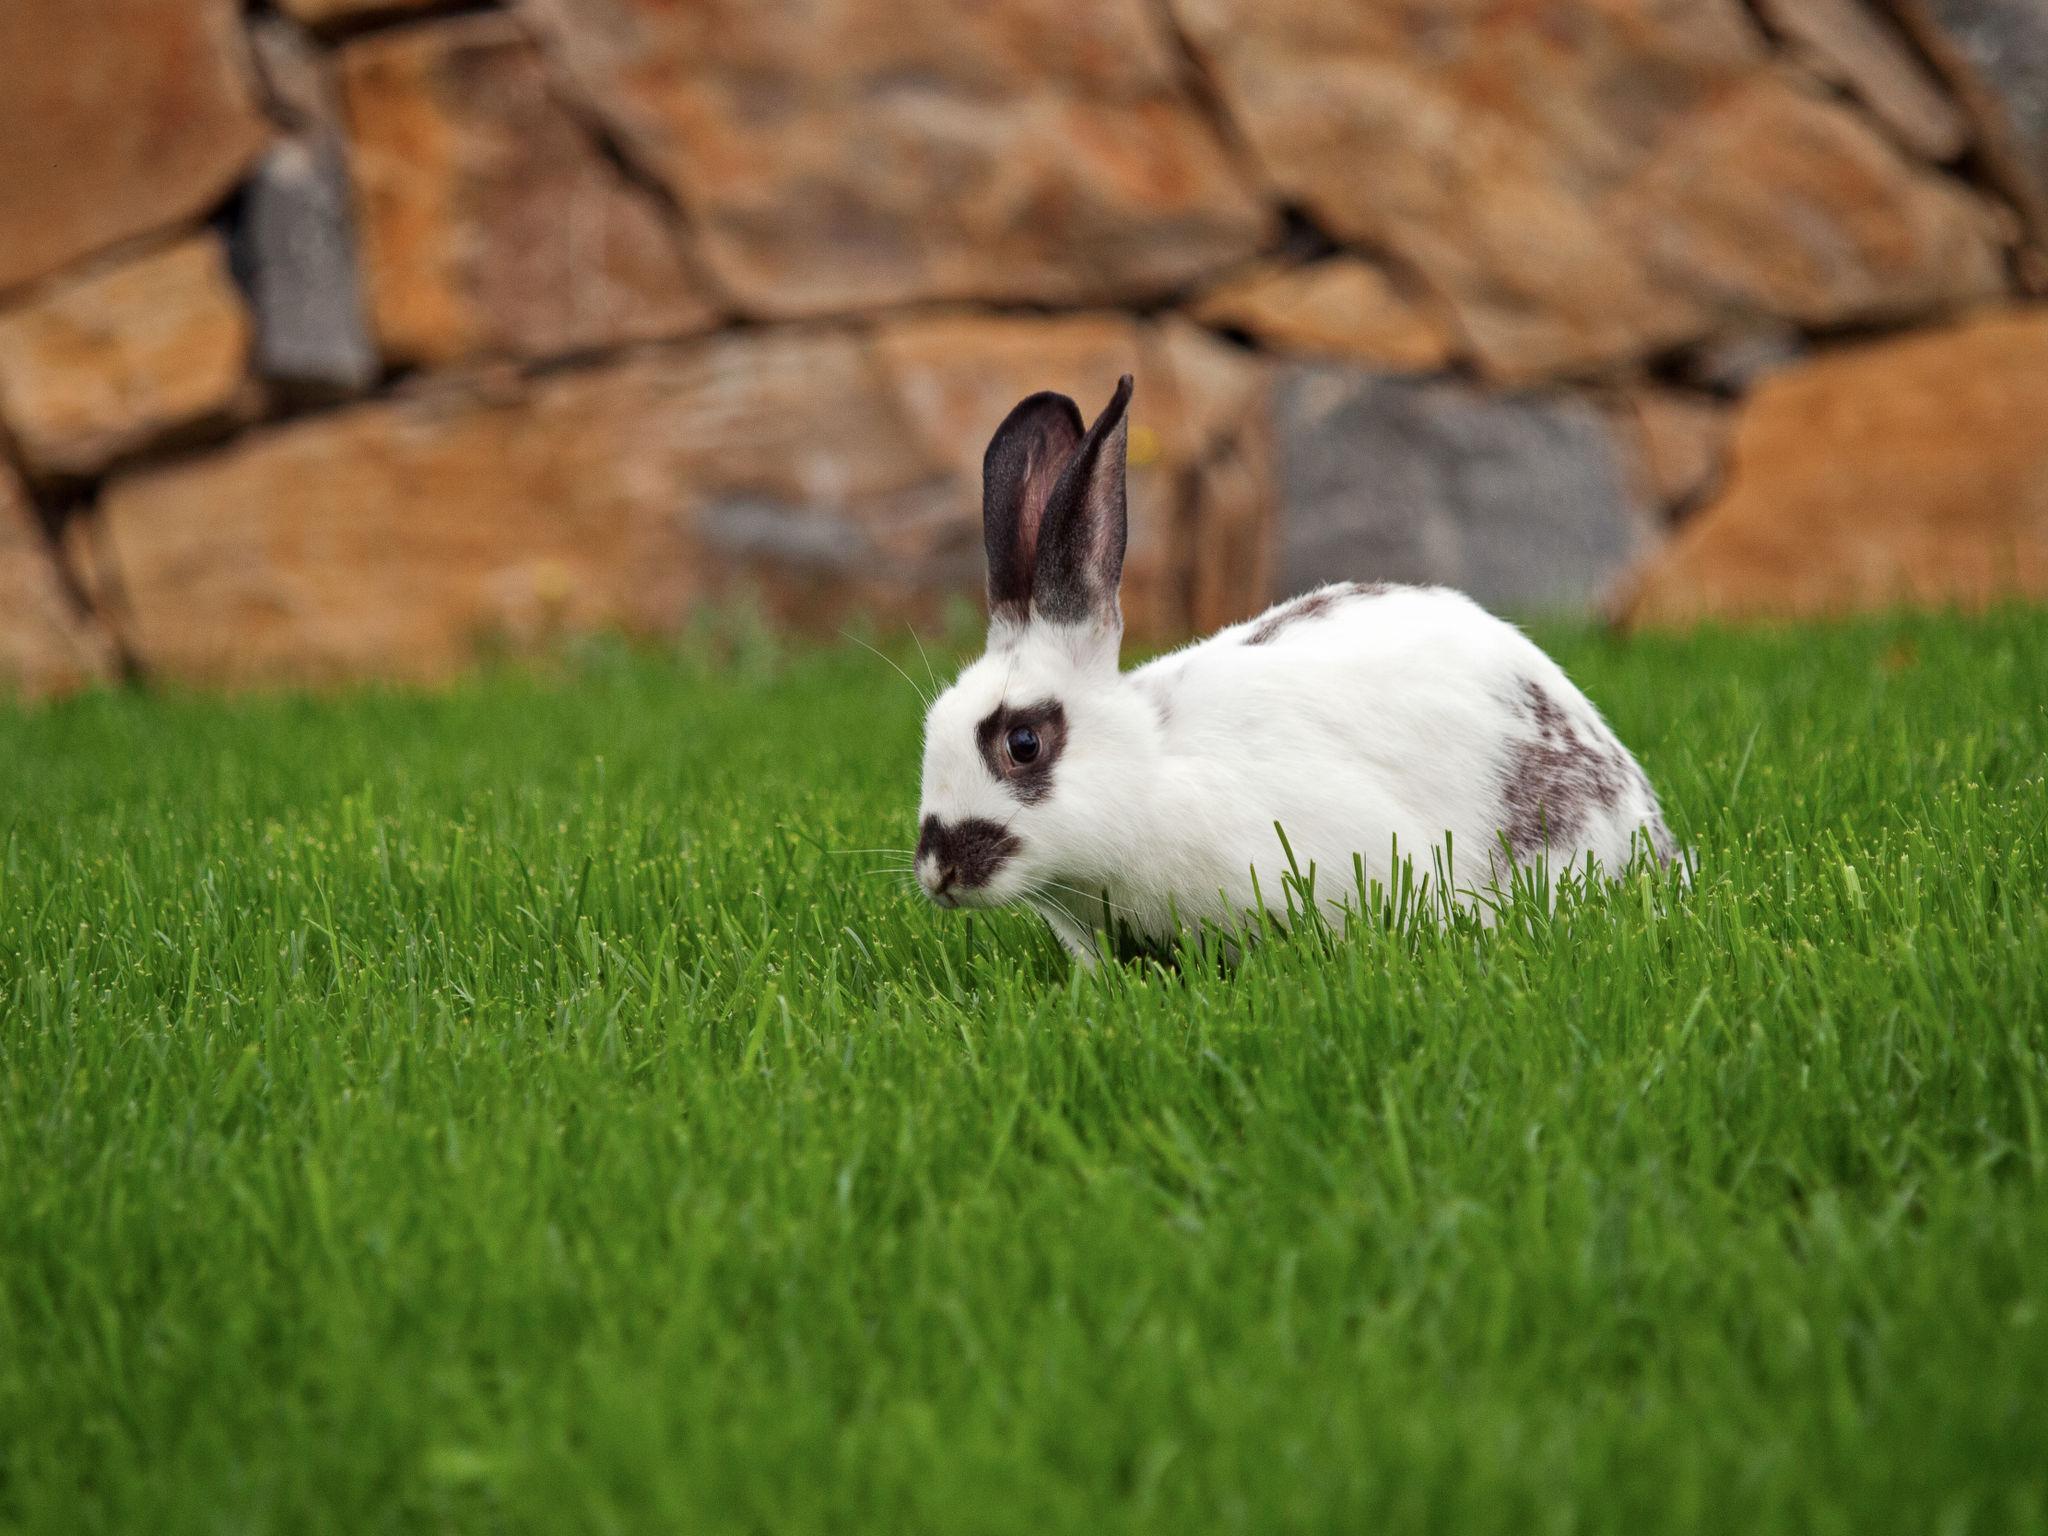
501 1111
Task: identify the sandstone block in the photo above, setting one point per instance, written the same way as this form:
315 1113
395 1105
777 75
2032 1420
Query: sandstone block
1587 182
106 362
399 538
1912 470
1342 307
823 472
1680 441
492 222
1850 43
46 645
1216 401
1995 52
117 118
391 539
856 154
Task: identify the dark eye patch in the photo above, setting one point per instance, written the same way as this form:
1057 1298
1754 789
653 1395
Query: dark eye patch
1030 782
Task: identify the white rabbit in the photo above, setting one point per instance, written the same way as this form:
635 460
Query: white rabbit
1360 718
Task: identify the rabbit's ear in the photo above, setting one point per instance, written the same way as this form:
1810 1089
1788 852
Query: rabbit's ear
1081 552
1018 473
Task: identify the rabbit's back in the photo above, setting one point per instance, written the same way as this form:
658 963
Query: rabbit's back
1365 717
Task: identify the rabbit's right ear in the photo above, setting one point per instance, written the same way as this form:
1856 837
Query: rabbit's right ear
1022 465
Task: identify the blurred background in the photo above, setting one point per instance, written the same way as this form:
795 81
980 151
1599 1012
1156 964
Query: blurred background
357 338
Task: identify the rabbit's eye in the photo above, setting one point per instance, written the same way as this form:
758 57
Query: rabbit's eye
1019 743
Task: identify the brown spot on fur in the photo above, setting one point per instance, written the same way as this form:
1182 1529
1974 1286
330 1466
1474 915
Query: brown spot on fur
1311 606
1555 778
1161 697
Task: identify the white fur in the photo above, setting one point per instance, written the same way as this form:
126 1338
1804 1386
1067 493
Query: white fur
1389 719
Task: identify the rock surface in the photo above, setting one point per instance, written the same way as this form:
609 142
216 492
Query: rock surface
296 242
332 13
399 538
1733 362
1913 470
543 316
810 489
850 154
117 118
46 647
1340 307
1521 501
1590 183
297 76
104 363
492 221
1681 443
390 540
1996 53
1219 416
806 468
1850 44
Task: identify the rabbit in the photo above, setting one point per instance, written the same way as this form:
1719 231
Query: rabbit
1357 719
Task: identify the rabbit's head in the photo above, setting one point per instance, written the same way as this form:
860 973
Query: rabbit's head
1030 753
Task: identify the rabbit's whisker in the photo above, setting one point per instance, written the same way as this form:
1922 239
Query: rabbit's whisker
928 672
1093 898
856 639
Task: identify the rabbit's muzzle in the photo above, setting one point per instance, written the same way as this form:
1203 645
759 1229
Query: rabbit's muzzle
953 861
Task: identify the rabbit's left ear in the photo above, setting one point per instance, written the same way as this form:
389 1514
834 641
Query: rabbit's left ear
1018 473
1081 548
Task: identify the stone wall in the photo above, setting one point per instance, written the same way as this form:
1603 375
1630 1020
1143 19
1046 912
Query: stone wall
345 337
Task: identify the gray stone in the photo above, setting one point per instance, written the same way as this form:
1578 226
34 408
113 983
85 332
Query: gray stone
1996 54
296 250
1521 501
806 537
1732 363
912 537
295 76
298 83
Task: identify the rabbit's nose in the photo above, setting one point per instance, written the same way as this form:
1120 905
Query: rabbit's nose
937 876
939 881
966 853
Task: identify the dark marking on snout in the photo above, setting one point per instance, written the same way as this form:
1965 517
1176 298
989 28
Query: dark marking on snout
1030 782
1313 606
1554 778
968 853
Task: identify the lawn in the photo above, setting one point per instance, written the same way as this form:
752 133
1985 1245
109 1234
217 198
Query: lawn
514 1109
